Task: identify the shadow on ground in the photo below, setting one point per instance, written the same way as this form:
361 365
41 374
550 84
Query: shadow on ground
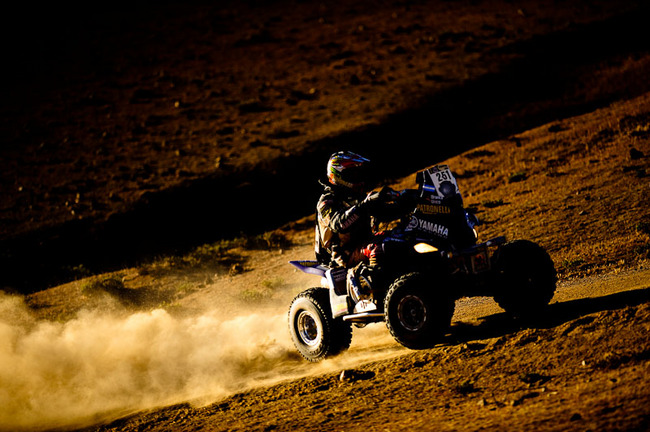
494 326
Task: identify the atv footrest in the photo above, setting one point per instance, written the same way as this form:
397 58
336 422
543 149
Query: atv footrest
365 317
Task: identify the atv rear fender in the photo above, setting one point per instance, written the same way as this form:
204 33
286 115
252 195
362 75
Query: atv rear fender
332 278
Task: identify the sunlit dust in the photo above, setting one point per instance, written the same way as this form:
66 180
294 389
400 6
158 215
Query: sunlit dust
102 365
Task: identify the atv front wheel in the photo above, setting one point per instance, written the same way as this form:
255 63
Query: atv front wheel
314 332
415 314
526 278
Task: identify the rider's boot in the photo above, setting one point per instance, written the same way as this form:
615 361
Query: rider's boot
359 284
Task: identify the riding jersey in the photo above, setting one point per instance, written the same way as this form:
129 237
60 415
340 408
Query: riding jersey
344 224
343 227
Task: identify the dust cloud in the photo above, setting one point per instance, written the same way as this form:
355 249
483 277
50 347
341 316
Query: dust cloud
100 364
103 365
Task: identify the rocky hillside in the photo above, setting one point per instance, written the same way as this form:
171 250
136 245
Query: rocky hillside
133 132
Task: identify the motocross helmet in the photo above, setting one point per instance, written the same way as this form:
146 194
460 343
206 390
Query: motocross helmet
349 170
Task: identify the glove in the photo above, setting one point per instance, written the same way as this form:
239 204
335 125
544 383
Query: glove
372 201
374 196
388 194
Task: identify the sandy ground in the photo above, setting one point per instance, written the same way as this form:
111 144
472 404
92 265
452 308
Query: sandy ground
220 341
112 162
583 368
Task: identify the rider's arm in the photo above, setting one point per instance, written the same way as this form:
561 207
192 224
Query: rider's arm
396 204
339 218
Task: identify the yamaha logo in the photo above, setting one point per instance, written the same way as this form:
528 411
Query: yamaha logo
413 224
430 227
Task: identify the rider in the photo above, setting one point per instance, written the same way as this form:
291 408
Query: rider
344 226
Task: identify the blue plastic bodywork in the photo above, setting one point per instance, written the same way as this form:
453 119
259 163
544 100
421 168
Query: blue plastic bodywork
311 267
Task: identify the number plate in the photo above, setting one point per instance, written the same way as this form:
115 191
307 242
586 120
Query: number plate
435 176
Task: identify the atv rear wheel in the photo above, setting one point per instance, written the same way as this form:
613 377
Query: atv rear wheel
314 332
416 315
526 278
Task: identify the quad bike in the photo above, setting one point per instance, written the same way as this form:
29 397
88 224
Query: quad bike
425 263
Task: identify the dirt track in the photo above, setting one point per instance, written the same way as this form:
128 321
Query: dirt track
583 368
490 373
